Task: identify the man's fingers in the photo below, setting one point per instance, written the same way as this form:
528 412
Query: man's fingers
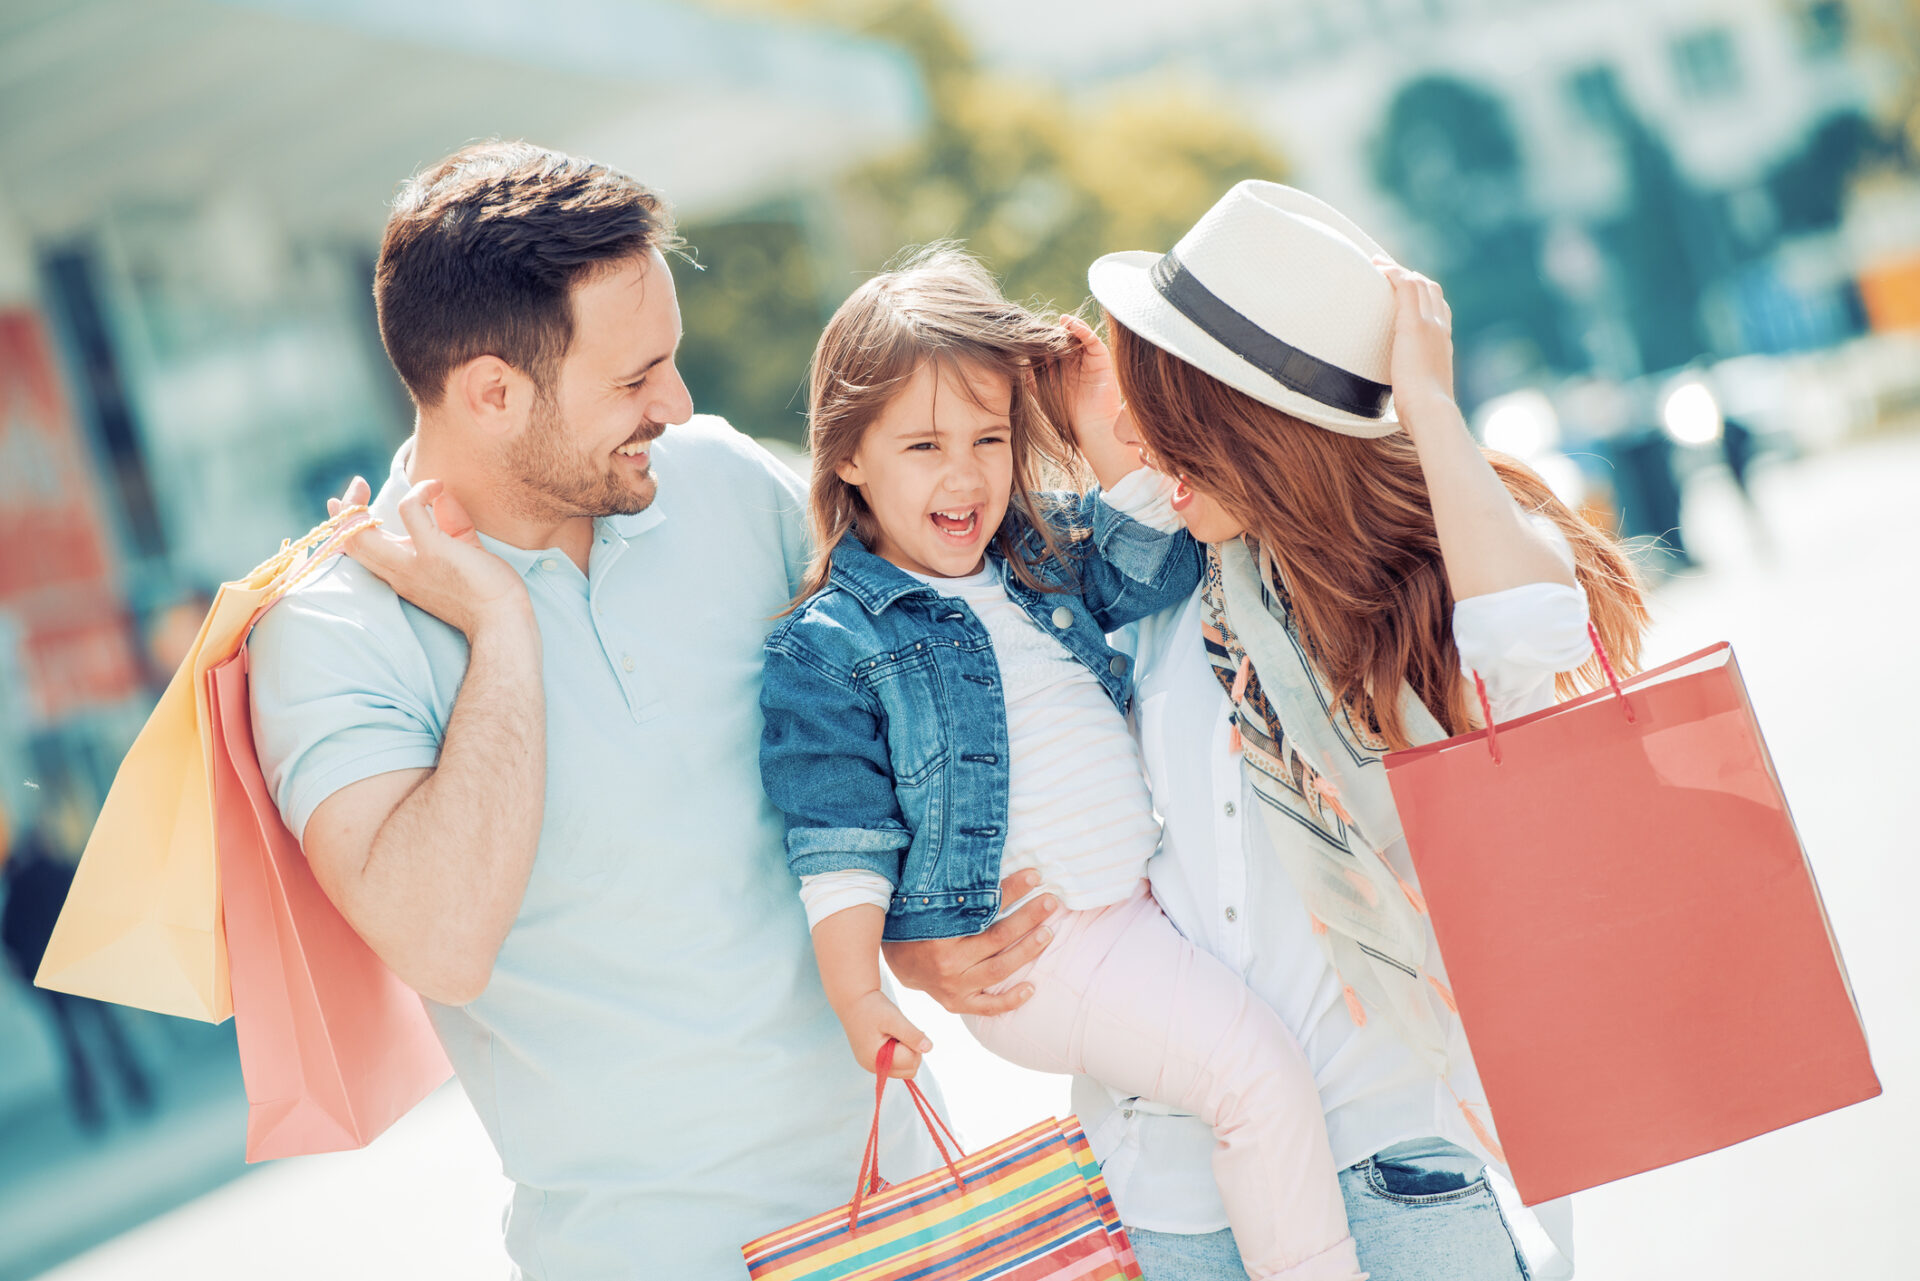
414 513
453 519
1017 886
1010 930
1001 966
379 551
993 1002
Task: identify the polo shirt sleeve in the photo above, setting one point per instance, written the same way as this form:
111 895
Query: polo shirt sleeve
334 701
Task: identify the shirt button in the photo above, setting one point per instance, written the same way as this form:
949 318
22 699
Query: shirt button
1230 809
1118 666
549 563
626 661
1062 616
1232 915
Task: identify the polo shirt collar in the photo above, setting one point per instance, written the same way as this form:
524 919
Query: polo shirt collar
386 505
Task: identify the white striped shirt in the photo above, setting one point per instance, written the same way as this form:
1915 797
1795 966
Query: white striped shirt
1078 806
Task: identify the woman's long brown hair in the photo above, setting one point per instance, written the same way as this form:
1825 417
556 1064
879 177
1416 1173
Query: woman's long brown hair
1350 525
937 305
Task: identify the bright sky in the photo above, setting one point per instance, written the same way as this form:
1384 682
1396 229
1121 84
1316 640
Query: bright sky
1070 35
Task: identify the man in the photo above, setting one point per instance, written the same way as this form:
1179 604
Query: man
518 735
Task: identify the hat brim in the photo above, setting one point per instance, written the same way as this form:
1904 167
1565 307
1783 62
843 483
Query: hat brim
1120 284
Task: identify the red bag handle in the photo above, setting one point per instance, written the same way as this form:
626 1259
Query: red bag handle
1606 665
870 1181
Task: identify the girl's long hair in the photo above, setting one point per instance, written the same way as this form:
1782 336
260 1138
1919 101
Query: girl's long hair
937 305
1350 525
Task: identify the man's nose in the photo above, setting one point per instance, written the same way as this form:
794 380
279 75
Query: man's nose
675 403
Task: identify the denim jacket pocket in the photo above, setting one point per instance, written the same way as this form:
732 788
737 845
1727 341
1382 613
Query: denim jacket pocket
908 687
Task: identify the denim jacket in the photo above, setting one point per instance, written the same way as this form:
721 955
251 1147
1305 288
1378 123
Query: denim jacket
885 743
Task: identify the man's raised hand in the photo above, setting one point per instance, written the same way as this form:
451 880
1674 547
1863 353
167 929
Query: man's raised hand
438 564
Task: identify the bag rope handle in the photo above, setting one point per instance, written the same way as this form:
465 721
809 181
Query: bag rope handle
1606 666
321 542
870 1160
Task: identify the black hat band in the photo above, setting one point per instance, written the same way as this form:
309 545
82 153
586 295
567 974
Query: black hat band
1286 364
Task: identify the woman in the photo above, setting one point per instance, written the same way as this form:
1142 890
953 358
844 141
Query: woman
1365 556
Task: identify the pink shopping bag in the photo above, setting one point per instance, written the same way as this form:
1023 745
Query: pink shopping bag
1641 958
333 1047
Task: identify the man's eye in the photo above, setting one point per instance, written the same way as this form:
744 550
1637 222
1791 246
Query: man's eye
637 383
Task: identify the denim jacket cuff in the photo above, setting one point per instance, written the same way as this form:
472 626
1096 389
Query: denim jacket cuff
1136 550
812 850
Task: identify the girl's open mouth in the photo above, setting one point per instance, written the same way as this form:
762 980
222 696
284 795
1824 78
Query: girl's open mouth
958 525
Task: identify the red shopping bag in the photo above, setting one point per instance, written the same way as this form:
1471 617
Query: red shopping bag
333 1047
1642 962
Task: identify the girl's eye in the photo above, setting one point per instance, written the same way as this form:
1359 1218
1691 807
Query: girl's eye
921 445
991 440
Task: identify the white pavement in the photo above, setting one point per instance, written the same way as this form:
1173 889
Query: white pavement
1826 634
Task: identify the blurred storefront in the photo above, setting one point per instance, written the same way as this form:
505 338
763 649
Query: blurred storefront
191 195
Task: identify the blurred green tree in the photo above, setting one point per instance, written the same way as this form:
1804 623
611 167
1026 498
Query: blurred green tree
1037 183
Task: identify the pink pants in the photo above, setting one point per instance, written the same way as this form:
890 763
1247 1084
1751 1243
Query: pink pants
1121 996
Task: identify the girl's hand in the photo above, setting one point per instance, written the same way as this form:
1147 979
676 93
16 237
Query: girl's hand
1422 363
1094 393
870 1021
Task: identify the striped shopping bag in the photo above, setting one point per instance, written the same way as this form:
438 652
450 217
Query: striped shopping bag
1031 1207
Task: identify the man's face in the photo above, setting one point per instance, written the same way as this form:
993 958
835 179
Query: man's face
584 450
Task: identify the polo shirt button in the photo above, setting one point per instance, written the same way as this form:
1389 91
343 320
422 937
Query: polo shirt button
549 563
626 661
1118 666
1062 616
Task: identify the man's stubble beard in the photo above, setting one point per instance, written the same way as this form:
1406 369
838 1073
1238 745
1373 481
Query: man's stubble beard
557 482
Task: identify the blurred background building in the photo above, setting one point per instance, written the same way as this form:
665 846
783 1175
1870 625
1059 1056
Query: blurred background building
1681 239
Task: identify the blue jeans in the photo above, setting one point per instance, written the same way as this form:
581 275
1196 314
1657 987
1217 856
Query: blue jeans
1418 1210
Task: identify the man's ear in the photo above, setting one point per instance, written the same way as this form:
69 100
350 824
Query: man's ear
495 396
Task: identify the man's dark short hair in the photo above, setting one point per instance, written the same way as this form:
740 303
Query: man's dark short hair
482 252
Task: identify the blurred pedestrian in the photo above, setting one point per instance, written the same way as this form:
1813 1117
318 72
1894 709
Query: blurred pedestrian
37 877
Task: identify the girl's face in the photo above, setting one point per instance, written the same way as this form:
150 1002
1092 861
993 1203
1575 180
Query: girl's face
936 470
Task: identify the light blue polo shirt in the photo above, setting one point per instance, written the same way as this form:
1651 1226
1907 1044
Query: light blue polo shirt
653 1057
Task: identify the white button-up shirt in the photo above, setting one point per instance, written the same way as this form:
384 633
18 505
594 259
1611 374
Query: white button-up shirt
1227 890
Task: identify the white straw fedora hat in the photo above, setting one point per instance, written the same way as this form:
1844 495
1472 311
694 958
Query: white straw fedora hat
1275 294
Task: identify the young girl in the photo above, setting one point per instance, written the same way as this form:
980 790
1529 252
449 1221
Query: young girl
942 709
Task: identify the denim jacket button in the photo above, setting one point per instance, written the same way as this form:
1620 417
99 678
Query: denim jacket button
1062 616
1118 666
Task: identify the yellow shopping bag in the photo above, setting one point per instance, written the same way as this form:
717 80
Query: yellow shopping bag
142 925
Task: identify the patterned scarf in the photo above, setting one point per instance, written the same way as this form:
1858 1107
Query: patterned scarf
1325 800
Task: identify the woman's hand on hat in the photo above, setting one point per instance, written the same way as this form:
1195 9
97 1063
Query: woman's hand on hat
1094 394
1422 362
